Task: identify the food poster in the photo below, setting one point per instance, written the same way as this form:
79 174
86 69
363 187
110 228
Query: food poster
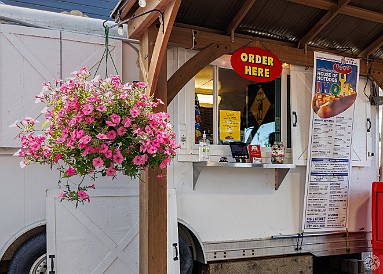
229 124
335 81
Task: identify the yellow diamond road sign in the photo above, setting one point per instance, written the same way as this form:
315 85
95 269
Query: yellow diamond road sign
260 106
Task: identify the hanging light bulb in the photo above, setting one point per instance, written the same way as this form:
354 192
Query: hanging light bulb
142 3
120 29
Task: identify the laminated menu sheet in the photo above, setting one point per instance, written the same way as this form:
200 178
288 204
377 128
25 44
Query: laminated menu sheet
330 138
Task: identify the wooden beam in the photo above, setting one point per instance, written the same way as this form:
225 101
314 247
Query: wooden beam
125 8
147 43
372 47
286 53
193 66
238 17
153 190
347 10
323 22
137 26
161 44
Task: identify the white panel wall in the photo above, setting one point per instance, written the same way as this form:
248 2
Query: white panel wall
241 203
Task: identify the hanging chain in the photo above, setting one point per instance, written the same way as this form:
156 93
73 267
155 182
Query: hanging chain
106 53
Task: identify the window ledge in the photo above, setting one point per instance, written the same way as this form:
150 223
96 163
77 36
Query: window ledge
280 170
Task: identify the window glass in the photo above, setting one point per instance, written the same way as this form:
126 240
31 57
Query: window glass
204 103
257 105
246 111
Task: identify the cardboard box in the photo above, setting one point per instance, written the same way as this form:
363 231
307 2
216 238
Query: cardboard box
255 154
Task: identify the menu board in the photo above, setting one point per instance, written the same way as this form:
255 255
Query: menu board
329 160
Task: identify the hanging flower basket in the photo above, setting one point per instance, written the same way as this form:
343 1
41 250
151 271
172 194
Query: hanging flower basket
95 127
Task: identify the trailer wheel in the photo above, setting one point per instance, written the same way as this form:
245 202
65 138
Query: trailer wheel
186 257
30 258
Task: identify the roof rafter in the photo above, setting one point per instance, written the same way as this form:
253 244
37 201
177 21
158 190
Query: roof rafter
137 26
347 10
323 22
122 11
238 17
372 47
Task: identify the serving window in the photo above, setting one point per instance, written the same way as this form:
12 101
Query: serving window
231 108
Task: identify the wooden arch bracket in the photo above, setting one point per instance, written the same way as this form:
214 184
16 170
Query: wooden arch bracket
188 70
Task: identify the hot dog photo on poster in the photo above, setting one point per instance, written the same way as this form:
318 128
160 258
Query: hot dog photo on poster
335 84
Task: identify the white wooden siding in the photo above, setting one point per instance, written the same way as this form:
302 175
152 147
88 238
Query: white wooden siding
31 56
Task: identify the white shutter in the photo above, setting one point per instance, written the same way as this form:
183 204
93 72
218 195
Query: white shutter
99 237
361 139
173 266
300 95
28 57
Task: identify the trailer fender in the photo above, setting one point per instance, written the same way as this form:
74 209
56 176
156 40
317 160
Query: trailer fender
20 238
193 239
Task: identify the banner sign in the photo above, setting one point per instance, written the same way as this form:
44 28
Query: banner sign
335 81
256 64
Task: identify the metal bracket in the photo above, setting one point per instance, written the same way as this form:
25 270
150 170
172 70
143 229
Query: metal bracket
299 242
376 100
52 271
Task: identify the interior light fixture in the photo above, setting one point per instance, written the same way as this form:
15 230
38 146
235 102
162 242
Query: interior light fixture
120 29
142 3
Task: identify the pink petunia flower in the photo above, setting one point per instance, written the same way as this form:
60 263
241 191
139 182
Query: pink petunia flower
108 154
117 157
98 162
101 108
140 159
121 131
141 84
71 171
115 118
62 195
111 124
127 122
87 109
85 140
83 195
134 111
111 134
89 120
101 136
58 157
165 162
110 171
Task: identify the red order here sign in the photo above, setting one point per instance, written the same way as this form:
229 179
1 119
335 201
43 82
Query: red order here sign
256 64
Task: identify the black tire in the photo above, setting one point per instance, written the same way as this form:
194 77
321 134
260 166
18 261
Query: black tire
27 254
186 257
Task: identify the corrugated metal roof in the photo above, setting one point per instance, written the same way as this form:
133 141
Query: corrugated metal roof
268 19
348 34
288 21
100 9
213 14
375 5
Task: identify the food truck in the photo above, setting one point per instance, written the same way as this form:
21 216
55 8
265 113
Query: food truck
230 213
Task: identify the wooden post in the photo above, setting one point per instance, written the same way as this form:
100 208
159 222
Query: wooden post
153 189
